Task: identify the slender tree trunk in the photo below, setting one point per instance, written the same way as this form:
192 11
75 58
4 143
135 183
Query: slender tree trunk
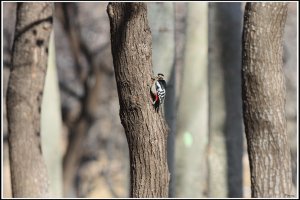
145 129
263 89
225 102
192 134
24 96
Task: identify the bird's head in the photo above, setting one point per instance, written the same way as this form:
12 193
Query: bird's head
160 76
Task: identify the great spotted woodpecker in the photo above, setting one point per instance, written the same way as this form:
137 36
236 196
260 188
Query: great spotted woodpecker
158 90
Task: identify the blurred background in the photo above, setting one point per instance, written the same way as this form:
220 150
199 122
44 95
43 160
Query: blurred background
198 47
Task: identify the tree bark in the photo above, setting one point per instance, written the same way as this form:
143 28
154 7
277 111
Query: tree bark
24 96
263 89
145 129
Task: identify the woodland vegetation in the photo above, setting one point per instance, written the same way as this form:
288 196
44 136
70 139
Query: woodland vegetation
78 114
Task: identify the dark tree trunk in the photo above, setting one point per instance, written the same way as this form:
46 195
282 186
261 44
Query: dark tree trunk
24 97
225 103
145 129
263 89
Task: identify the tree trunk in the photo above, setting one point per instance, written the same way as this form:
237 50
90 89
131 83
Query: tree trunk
263 89
145 129
24 96
225 102
192 134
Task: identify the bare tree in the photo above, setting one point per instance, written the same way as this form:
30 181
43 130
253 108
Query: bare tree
145 129
24 96
263 89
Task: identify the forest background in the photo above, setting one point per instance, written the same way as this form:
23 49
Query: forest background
210 162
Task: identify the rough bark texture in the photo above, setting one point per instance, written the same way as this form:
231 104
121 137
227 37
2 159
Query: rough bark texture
263 90
145 129
24 96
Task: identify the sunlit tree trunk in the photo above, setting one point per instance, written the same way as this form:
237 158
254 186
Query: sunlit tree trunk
192 116
24 98
145 129
264 100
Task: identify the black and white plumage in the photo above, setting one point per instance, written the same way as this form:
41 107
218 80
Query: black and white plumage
158 90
